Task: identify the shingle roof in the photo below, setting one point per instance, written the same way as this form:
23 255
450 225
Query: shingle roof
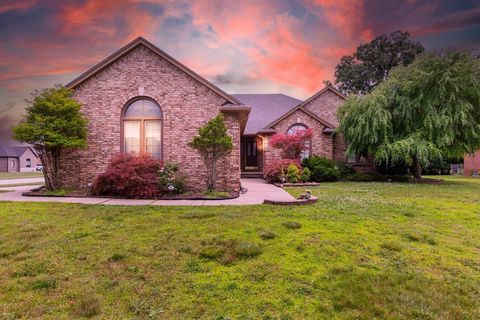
265 109
12 151
7 151
20 149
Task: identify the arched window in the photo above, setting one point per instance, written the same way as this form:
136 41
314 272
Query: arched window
28 163
296 128
142 128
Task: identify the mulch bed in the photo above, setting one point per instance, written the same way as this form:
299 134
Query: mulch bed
299 184
296 202
84 193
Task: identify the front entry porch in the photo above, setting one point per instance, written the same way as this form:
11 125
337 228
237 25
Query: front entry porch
251 155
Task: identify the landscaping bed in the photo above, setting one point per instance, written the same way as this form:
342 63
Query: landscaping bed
85 193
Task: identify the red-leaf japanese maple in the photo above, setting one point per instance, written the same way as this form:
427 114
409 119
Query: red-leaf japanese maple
292 145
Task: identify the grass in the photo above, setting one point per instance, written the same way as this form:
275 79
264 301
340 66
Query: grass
20 175
58 192
364 251
216 194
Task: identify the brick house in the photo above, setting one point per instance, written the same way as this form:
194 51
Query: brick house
18 159
471 164
142 100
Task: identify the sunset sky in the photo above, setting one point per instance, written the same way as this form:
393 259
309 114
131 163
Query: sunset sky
262 46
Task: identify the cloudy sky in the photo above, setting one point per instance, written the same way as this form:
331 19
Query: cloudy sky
243 46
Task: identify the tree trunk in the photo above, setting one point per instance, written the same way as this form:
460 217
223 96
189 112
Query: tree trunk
212 176
417 168
49 159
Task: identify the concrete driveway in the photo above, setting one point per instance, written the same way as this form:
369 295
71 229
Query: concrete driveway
258 191
6 182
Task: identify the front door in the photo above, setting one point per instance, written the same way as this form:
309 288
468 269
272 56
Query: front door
251 153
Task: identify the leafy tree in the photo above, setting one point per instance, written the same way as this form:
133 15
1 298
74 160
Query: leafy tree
292 145
372 62
213 143
423 111
53 123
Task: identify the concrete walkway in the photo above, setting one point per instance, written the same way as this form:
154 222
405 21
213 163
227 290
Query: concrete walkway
6 182
258 191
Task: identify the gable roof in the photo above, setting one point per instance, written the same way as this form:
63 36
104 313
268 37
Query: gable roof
141 41
14 151
302 105
20 150
7 151
302 108
319 93
265 108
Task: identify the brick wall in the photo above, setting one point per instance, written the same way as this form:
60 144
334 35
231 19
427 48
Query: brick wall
186 105
322 144
325 106
471 163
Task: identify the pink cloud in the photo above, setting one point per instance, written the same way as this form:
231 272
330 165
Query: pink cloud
11 5
97 20
346 16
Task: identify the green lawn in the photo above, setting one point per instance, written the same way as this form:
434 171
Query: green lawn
365 251
19 175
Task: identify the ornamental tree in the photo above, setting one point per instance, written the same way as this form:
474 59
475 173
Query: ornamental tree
213 143
292 145
53 123
422 112
372 62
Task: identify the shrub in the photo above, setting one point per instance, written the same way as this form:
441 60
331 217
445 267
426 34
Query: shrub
321 169
343 168
129 176
278 169
293 173
305 176
171 179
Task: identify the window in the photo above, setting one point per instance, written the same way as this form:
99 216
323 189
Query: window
142 128
13 163
29 163
296 128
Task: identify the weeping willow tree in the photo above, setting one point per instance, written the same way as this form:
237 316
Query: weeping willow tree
423 111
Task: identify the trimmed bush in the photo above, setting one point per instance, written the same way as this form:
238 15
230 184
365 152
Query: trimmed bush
305 176
129 176
321 169
278 169
293 173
